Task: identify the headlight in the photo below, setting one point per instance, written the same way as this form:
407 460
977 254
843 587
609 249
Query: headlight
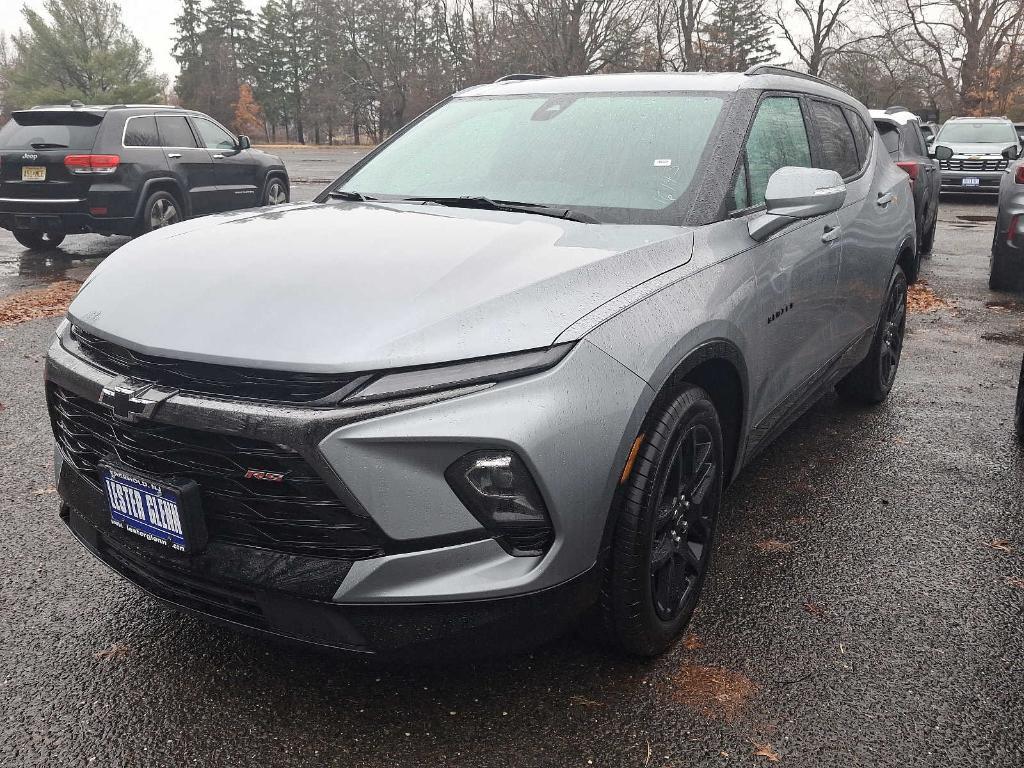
480 371
498 489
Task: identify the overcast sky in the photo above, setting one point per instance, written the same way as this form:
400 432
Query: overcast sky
152 21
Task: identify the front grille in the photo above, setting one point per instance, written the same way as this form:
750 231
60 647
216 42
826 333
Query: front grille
211 379
300 515
981 164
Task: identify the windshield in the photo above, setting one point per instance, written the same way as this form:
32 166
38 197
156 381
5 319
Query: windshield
622 158
50 130
978 133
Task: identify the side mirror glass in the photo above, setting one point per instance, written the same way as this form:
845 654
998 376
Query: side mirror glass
798 193
942 152
243 142
1012 152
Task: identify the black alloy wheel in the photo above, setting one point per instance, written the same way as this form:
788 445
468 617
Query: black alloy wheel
892 335
665 512
681 545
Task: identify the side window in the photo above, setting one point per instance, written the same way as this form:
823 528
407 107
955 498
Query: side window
214 137
890 137
174 132
141 132
777 138
839 150
861 134
915 144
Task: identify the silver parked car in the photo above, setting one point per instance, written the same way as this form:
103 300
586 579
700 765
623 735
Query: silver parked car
977 151
499 373
1007 266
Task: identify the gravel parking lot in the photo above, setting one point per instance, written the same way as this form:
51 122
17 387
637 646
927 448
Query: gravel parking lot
865 606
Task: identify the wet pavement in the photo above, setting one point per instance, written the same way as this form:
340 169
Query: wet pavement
865 606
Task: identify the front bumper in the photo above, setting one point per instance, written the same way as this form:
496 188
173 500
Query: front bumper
988 182
440 576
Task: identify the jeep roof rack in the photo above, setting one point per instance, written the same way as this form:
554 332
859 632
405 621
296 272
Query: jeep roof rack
774 69
520 76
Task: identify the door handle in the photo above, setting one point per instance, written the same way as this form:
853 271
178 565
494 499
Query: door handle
884 198
174 154
831 234
218 157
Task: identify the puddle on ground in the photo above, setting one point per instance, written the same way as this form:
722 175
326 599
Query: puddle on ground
1008 304
976 217
1013 339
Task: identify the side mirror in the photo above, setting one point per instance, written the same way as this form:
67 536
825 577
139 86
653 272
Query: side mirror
243 142
797 193
942 152
1012 152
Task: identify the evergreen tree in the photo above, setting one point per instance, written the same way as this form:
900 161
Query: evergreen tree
80 49
188 50
739 36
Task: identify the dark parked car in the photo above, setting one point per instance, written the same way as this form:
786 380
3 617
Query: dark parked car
1007 266
900 132
124 170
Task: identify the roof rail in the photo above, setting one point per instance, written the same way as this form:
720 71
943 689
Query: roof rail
774 69
520 76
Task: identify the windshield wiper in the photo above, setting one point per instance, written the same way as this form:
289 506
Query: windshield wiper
486 203
48 145
342 194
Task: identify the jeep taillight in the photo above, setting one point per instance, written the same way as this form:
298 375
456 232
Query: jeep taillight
90 164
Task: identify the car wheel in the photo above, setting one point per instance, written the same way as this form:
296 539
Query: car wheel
161 210
667 513
871 381
1018 413
928 241
38 241
276 192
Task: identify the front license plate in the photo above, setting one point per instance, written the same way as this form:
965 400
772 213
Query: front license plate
970 181
151 509
33 173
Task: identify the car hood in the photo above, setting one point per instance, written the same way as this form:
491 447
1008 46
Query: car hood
353 287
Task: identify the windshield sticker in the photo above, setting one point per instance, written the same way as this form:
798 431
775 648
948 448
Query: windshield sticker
662 163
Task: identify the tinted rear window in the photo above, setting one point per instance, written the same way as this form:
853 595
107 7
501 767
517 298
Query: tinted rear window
890 137
50 130
141 132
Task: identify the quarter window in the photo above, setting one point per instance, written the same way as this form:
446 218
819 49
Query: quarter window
861 134
778 138
141 132
174 131
839 150
214 137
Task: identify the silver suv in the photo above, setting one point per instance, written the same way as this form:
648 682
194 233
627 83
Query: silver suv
979 151
499 373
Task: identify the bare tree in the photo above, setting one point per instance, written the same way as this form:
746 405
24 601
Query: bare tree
823 22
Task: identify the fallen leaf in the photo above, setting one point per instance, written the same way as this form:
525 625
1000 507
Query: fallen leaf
1001 544
813 608
43 491
767 752
713 691
774 545
921 298
51 301
115 651
1012 581
2 407
585 702
691 642
798 520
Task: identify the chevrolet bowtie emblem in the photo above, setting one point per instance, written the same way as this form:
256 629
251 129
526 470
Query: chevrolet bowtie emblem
132 400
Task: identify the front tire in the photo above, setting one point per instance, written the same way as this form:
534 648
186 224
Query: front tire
160 210
667 516
276 192
871 381
38 241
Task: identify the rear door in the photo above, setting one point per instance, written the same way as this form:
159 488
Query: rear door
191 164
237 170
33 145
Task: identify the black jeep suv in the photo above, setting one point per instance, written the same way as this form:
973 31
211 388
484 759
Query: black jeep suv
124 169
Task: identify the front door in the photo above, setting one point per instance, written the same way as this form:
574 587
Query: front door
237 170
796 269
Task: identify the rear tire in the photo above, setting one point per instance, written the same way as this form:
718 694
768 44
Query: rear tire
664 532
1000 276
871 381
928 241
38 241
160 210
